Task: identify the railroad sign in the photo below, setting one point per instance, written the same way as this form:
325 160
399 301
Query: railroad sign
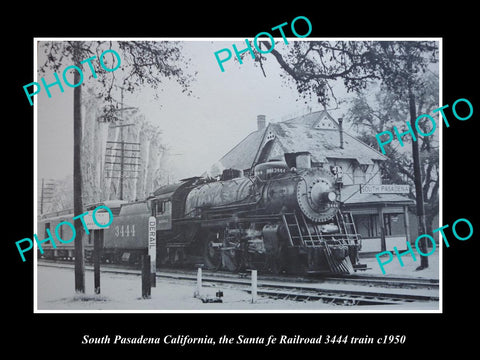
384 189
101 217
152 242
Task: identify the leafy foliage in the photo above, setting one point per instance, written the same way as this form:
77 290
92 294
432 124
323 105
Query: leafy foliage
314 65
382 111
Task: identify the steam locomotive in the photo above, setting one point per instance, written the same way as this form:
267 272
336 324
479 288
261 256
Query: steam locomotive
285 217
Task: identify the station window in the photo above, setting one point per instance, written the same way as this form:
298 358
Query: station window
367 225
394 224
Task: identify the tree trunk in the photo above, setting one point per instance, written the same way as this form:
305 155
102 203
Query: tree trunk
418 182
77 186
429 217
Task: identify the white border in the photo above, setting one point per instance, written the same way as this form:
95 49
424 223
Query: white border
342 311
35 178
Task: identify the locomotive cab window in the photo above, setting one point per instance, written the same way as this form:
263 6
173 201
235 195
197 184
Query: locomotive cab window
164 207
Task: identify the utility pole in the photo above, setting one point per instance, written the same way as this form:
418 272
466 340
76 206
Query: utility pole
119 153
79 269
46 193
417 171
417 175
122 150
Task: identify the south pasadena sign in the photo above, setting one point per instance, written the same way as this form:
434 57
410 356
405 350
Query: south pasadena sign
385 189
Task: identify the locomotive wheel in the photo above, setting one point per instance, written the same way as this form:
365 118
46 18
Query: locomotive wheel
277 262
230 260
212 256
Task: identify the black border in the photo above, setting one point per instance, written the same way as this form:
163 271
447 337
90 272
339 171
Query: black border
56 333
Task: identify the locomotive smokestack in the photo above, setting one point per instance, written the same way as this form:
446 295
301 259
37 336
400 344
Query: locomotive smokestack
340 129
261 123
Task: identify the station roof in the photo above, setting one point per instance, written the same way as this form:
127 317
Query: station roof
316 132
242 156
308 132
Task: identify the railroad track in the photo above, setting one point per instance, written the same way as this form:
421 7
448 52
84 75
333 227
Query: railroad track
345 296
356 279
383 281
355 290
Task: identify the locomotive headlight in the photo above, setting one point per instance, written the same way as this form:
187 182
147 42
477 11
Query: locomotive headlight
328 196
332 196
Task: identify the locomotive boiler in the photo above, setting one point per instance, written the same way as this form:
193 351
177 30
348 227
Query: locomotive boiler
283 218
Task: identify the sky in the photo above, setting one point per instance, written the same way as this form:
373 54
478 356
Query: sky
198 129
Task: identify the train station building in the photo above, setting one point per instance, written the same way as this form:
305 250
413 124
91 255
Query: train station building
381 216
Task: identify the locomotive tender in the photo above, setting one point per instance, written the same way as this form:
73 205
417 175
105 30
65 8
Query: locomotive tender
286 217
